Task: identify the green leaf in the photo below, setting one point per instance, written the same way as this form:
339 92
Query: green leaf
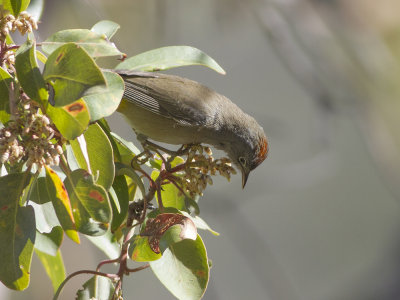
90 203
140 251
54 267
106 128
178 233
28 72
47 249
45 215
169 57
15 6
121 202
42 58
62 204
35 9
156 229
123 170
127 150
97 45
71 120
17 232
200 223
183 269
49 243
39 193
106 243
171 196
72 71
103 100
5 81
98 287
106 27
100 154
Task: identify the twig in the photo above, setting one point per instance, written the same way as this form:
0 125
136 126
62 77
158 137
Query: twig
111 276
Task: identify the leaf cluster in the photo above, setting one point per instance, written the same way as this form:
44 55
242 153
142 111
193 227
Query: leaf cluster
63 171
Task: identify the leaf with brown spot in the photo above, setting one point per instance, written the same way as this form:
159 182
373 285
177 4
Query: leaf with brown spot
155 229
62 204
75 108
71 71
71 120
140 250
91 206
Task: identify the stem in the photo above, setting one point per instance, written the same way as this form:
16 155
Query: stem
104 262
11 99
64 165
57 294
138 268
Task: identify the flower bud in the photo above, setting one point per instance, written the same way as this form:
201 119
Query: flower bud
45 120
4 157
59 149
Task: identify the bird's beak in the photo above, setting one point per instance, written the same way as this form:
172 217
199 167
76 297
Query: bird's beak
245 176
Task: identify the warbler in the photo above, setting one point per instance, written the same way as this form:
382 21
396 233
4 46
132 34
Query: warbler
177 110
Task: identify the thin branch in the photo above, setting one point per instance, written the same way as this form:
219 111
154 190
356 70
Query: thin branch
138 268
104 262
57 294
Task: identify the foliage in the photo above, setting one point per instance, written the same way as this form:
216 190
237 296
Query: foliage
64 171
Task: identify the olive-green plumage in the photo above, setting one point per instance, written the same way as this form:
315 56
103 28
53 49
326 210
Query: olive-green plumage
176 110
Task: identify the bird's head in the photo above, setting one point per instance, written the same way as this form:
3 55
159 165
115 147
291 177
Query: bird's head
249 150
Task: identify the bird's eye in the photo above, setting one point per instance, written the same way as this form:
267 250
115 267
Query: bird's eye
242 161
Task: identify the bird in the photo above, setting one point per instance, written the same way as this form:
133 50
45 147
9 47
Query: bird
178 111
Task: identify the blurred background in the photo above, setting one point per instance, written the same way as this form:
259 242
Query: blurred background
320 218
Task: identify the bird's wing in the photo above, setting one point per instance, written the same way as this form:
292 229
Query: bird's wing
151 93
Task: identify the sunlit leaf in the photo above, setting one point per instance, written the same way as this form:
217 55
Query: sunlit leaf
183 269
100 155
97 45
61 203
169 57
90 203
71 72
200 223
140 250
45 215
106 27
41 57
71 120
49 243
103 100
171 196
